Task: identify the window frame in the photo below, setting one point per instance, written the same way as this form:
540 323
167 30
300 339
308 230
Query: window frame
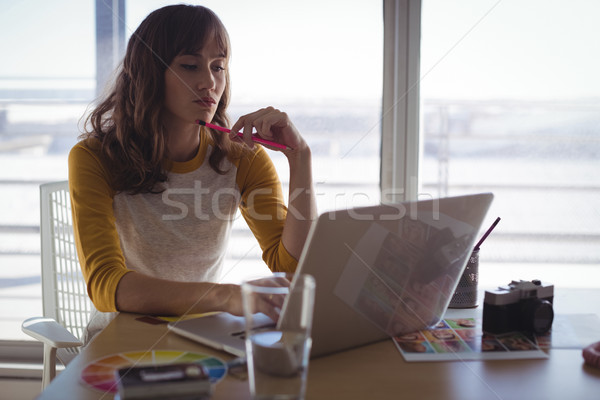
400 147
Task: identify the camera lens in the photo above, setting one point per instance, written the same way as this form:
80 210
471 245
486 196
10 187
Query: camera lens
537 316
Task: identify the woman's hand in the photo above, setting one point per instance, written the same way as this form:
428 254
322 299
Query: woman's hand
268 304
270 124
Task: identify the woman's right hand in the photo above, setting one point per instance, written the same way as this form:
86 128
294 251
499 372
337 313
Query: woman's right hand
269 305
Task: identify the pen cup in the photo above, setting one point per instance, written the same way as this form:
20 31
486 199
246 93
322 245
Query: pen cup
278 354
465 295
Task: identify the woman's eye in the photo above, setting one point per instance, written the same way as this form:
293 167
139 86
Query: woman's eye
218 68
189 67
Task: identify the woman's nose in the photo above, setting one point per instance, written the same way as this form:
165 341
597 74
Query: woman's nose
205 79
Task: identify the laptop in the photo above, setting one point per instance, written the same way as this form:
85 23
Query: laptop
380 271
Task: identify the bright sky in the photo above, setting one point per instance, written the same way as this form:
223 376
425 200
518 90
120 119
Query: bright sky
333 48
511 48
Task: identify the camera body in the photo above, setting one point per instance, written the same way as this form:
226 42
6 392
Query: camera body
524 306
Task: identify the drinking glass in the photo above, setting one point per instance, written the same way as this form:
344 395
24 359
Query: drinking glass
278 353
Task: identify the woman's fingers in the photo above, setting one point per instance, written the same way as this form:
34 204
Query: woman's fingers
248 127
270 301
270 305
270 124
272 313
248 121
275 300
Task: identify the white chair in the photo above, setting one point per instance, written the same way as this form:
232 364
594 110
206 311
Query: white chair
67 306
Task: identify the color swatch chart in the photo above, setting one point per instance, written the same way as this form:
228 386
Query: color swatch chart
100 374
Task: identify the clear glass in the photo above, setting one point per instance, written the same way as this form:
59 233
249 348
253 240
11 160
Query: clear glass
47 79
278 354
510 105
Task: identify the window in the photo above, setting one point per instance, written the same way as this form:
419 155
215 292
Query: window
320 61
509 104
46 82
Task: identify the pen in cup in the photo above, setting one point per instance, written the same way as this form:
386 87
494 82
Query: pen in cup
255 138
486 234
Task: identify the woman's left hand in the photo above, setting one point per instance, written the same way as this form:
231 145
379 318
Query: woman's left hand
270 124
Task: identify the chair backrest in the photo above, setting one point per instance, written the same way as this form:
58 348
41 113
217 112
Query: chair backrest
64 291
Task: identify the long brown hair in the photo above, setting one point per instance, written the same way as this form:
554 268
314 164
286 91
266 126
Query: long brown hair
128 120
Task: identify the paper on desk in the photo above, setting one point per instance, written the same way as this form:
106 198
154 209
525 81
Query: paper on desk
462 339
458 339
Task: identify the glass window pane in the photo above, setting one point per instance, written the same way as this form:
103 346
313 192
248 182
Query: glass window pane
47 78
510 104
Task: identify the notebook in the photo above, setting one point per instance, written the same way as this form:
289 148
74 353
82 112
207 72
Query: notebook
380 271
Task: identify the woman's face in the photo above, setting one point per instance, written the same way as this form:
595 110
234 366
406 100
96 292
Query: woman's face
194 84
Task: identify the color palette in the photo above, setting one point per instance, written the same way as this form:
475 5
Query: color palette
100 374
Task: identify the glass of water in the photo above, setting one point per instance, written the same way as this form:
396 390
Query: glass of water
278 347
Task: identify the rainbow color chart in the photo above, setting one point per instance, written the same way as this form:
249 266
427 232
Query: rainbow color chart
100 374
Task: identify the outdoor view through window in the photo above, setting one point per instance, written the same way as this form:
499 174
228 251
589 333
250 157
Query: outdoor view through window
510 104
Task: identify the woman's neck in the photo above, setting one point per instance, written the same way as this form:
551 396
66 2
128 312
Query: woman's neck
183 143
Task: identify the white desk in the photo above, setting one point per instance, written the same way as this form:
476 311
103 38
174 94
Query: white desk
376 371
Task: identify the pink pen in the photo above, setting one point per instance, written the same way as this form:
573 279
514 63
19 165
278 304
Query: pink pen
254 137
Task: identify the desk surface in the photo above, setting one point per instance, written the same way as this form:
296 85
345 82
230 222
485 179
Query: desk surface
374 371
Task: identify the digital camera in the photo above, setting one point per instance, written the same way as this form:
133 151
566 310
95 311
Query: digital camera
524 306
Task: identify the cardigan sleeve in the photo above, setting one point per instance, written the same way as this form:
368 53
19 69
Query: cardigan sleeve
262 206
96 237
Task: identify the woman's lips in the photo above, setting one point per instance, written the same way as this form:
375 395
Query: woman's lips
205 101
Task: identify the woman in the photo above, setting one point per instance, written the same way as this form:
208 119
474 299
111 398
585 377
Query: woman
154 194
